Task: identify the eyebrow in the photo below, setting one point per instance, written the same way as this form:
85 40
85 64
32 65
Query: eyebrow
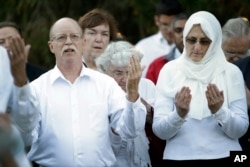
92 29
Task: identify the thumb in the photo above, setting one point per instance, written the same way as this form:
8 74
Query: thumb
143 67
27 50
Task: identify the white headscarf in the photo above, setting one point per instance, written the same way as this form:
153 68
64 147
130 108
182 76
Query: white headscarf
197 75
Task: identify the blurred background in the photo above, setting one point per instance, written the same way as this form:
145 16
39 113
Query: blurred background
135 17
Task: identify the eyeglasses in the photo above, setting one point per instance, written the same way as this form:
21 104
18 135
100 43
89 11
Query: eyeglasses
236 54
201 41
63 37
119 74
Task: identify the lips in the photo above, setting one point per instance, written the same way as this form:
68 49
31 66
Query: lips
98 48
69 50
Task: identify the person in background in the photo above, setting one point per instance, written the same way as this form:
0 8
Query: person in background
235 39
199 107
235 45
81 109
15 119
162 42
177 26
9 29
115 63
244 65
99 28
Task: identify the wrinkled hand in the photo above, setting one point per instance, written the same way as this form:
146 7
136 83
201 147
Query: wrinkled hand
18 55
215 98
134 76
182 101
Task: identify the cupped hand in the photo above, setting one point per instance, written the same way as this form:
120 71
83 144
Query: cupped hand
215 98
182 101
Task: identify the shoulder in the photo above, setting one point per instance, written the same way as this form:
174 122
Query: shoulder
172 65
231 67
98 76
158 60
233 72
148 82
243 64
145 40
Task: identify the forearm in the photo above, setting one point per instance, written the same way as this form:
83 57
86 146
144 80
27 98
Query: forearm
133 118
234 120
24 109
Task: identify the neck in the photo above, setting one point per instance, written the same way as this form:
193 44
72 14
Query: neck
71 72
91 64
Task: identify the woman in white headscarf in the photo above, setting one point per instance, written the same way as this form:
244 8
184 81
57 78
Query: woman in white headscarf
200 106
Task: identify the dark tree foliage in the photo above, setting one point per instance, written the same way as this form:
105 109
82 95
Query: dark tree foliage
134 17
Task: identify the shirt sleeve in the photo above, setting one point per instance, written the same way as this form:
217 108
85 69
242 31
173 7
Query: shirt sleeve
6 80
233 120
23 108
131 119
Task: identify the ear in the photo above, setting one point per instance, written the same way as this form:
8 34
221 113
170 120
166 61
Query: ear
51 47
156 19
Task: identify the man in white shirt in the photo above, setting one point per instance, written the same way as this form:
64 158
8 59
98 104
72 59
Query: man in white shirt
82 110
162 42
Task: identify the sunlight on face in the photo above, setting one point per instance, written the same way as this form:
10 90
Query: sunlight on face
197 43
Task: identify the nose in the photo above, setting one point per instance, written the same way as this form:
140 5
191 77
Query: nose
197 45
68 40
125 78
98 37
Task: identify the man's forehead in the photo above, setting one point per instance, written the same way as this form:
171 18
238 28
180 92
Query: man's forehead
65 24
237 43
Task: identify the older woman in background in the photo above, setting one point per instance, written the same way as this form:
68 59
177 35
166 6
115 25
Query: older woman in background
115 63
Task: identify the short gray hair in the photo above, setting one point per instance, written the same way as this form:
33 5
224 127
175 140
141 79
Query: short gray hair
235 27
117 53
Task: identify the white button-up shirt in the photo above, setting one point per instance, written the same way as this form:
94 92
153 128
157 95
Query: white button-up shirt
76 119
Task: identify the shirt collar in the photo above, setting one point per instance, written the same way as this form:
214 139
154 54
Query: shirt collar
56 74
160 38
